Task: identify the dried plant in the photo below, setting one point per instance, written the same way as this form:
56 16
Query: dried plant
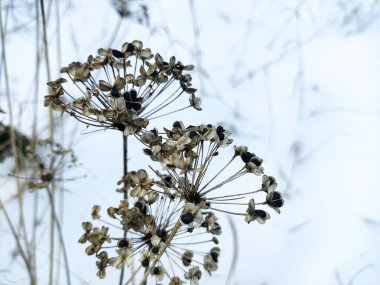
169 205
155 213
49 161
180 203
44 165
21 141
132 9
186 154
133 90
151 221
175 206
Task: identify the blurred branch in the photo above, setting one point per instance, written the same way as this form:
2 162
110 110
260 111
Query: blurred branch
20 248
235 250
22 142
60 234
13 141
298 227
351 281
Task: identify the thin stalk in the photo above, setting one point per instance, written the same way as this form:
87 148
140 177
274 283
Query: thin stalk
20 190
216 175
59 219
33 243
24 257
228 212
235 247
132 278
60 234
238 174
167 243
125 170
51 137
169 113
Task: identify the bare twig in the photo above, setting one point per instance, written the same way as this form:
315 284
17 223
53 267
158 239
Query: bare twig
60 234
20 190
235 251
19 246
167 243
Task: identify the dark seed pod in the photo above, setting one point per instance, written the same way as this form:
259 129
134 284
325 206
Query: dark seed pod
117 53
123 243
147 151
177 124
130 48
247 156
156 271
187 218
261 213
155 249
187 257
256 160
214 253
214 256
145 262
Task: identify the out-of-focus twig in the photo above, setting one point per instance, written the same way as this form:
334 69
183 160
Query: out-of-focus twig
20 189
19 245
235 250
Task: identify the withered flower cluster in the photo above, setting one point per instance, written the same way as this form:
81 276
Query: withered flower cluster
49 161
134 87
156 238
21 140
187 153
166 220
133 10
180 204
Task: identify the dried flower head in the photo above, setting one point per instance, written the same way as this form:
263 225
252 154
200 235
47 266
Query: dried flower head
134 87
49 161
22 142
186 154
133 10
194 274
159 232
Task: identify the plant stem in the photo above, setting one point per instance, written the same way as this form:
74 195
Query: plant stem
60 234
125 162
15 153
22 252
125 170
51 137
167 243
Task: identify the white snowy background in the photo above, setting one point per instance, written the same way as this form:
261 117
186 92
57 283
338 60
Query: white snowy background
296 81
